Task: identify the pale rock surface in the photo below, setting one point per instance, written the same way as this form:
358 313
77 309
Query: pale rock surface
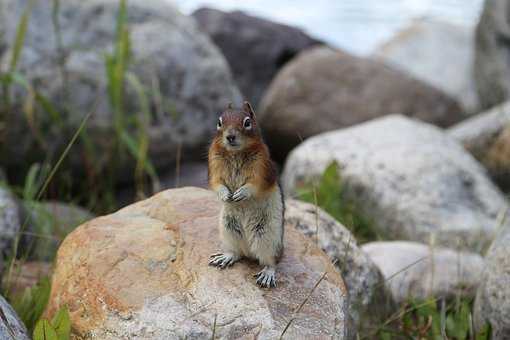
418 271
409 178
368 299
142 273
492 304
439 53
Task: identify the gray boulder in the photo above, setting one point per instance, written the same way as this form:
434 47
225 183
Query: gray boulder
185 78
3 43
324 89
10 222
409 178
492 304
492 65
11 327
418 271
487 137
51 221
255 48
438 53
368 299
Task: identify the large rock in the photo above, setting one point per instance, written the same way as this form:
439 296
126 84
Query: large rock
255 48
184 76
368 299
142 273
418 271
11 327
10 222
324 89
3 43
487 137
492 65
492 304
410 179
438 53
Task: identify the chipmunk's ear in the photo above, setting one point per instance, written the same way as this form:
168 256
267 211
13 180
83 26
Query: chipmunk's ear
230 106
248 109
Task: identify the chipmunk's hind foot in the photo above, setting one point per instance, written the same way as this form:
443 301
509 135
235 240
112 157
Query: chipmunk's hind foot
266 278
223 260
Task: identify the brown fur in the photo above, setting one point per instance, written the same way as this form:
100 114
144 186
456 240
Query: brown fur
249 165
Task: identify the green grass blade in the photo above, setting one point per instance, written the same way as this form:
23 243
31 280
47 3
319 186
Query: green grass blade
44 331
62 324
30 188
41 192
133 148
63 155
20 36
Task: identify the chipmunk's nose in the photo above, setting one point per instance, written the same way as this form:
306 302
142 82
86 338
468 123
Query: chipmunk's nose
231 138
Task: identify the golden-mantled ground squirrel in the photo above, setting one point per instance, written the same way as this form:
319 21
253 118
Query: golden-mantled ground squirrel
244 177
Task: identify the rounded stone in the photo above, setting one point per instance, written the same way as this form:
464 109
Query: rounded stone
142 273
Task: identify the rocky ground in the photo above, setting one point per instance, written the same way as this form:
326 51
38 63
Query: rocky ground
418 135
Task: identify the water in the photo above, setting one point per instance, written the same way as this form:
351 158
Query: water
358 26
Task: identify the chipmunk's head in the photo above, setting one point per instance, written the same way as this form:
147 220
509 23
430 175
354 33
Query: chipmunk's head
237 129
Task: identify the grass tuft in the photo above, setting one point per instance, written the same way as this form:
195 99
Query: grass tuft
329 194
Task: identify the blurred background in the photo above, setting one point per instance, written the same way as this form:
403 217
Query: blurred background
391 116
356 26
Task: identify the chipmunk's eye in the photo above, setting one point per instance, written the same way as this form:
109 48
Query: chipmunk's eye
220 124
247 123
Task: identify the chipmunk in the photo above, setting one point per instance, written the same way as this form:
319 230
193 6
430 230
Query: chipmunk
243 175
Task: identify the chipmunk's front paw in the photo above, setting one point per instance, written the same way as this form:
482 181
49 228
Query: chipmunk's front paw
241 194
266 278
224 194
222 261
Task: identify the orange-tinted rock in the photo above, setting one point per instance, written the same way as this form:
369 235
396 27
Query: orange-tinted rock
142 273
487 137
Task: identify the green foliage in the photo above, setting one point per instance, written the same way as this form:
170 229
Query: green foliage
118 76
433 320
46 121
11 76
62 324
329 194
21 32
415 319
7 77
45 234
34 181
116 67
58 329
44 331
31 304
